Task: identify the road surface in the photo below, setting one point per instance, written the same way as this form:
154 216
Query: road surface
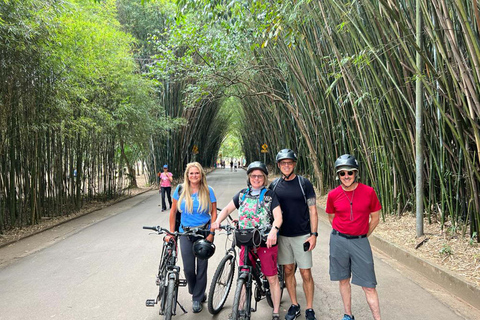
103 265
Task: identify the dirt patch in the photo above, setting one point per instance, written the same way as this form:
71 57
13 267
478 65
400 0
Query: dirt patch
448 247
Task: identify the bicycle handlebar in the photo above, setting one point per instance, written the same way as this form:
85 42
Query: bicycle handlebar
191 231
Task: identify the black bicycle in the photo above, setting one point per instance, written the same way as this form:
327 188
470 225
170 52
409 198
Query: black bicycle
248 274
168 277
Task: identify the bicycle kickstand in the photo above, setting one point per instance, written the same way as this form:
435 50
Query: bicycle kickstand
181 307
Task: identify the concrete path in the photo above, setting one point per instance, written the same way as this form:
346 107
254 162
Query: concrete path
103 265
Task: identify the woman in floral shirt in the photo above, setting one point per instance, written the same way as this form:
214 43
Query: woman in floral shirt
259 207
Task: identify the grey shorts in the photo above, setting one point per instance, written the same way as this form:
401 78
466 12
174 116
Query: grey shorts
352 258
290 250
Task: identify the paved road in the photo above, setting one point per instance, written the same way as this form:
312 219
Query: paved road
102 266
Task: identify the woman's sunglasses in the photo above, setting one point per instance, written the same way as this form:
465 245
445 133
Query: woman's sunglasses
342 173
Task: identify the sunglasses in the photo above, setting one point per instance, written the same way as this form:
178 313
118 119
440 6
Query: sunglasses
254 176
342 173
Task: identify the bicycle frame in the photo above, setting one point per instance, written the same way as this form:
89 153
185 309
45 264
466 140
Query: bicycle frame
249 272
168 277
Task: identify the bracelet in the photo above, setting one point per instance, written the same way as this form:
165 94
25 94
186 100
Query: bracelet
212 232
277 228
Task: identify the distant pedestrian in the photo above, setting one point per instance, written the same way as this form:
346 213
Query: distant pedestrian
354 212
298 236
231 165
166 179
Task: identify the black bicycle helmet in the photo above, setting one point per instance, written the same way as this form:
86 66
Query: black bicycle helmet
346 162
203 249
286 154
257 165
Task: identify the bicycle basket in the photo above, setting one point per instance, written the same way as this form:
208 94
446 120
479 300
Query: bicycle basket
247 237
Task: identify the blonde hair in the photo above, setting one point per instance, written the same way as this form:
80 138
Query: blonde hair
203 191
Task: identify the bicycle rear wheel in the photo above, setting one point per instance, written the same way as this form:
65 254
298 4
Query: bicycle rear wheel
241 301
221 284
170 303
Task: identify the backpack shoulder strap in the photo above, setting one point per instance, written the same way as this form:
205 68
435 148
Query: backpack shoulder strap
274 184
301 182
242 195
262 194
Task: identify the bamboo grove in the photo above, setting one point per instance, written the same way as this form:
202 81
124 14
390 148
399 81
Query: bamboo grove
70 96
82 100
333 76
340 78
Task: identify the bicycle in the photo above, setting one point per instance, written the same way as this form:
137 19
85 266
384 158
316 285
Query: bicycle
168 276
223 277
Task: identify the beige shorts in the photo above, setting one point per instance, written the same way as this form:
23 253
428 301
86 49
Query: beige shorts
290 250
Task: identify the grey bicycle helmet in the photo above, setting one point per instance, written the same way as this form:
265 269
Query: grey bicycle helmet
286 154
203 249
346 162
257 165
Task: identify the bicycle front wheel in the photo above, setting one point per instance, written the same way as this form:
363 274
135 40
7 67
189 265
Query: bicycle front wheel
221 284
241 301
170 303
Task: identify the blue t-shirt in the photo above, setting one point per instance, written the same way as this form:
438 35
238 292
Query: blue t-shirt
195 218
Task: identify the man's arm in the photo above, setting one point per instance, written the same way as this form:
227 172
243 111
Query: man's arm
312 209
374 220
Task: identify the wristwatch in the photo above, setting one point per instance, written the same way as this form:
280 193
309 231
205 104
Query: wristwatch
314 234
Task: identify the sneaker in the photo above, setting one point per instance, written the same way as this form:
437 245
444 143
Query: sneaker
275 316
197 306
310 314
347 317
293 312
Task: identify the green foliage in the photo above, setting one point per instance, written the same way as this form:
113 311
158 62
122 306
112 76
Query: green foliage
446 250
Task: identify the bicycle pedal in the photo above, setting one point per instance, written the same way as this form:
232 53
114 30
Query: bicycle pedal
150 302
182 282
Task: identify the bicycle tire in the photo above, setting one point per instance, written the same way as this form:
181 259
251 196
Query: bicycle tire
169 306
221 284
240 309
281 281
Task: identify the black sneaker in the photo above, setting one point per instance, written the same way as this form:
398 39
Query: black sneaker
293 312
310 314
197 306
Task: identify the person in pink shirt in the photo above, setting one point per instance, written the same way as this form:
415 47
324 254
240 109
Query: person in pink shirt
166 179
354 211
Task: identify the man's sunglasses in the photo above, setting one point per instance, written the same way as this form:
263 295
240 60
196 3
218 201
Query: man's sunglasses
342 173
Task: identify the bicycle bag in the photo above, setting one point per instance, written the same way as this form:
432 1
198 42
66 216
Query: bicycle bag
247 237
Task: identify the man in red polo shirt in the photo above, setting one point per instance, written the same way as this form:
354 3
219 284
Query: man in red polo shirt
354 212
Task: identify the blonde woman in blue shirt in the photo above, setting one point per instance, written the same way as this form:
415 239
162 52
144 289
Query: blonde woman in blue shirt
198 206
